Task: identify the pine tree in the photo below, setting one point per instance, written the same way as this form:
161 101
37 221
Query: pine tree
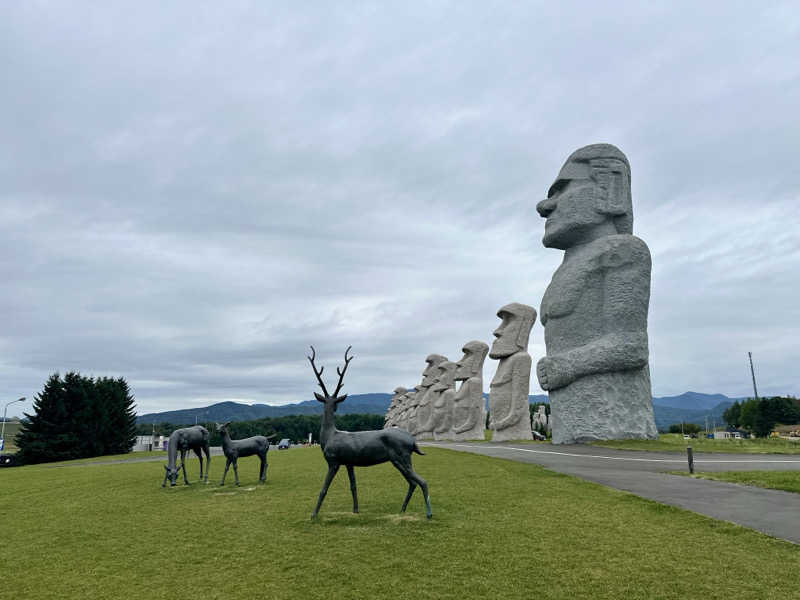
78 417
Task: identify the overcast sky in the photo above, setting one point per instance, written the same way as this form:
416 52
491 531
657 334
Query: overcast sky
192 194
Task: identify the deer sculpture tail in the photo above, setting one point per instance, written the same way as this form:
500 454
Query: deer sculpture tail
417 450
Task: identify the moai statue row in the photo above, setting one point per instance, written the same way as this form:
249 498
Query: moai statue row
509 415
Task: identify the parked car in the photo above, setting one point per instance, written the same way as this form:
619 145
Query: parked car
8 460
284 444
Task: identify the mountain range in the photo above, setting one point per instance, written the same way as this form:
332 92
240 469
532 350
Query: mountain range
689 407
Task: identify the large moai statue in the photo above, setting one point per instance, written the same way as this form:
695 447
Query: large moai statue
424 425
509 415
469 407
594 311
390 420
444 388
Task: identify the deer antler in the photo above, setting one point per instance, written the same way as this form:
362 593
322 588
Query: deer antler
341 372
318 373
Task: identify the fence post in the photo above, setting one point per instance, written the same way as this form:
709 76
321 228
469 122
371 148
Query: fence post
690 458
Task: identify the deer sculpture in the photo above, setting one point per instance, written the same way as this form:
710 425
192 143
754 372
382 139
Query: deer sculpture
234 449
189 438
362 448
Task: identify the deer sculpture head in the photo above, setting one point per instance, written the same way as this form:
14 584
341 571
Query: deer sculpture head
327 399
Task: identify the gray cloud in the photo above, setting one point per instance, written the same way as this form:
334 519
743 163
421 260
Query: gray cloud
189 197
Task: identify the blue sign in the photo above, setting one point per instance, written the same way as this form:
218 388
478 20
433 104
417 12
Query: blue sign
2 441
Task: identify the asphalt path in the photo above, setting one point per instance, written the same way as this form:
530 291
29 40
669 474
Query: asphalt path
773 512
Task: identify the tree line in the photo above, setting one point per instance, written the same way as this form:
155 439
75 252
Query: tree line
78 417
759 416
294 427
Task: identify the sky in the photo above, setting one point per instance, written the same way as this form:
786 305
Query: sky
192 194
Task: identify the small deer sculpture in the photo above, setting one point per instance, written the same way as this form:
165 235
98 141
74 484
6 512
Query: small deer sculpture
189 438
234 449
362 448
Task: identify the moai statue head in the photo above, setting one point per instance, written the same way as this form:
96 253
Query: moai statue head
471 364
429 374
512 335
443 380
590 198
398 392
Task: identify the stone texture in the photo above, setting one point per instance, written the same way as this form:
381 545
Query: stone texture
509 415
392 413
444 390
409 415
469 407
424 413
595 309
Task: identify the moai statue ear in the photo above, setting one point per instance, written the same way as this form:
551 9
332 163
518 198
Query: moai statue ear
612 179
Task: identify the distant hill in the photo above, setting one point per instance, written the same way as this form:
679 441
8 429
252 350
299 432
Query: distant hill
691 407
694 401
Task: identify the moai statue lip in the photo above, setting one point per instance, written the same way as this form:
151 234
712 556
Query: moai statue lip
513 333
595 309
471 364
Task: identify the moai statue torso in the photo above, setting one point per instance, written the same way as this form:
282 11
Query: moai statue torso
390 420
509 415
444 388
424 424
594 311
409 418
469 408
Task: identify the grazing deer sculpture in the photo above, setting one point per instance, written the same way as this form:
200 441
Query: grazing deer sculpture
189 438
235 449
362 448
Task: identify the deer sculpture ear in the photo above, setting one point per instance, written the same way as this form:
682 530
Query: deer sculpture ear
319 397
166 468
340 399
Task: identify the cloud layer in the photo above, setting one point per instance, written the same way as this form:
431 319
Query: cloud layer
189 197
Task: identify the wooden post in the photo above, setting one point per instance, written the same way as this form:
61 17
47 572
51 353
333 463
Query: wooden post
690 458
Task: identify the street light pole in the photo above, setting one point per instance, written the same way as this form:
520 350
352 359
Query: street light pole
5 412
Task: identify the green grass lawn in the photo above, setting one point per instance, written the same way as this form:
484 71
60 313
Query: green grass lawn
788 481
674 442
500 529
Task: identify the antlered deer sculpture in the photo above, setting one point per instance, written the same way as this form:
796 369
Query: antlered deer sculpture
362 448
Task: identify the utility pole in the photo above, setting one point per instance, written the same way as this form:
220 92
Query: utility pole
753 374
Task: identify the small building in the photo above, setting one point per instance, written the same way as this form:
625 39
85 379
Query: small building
733 434
145 443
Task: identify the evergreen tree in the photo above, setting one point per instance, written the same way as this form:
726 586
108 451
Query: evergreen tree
78 417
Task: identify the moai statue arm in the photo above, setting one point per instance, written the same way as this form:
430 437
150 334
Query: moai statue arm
474 415
626 293
520 386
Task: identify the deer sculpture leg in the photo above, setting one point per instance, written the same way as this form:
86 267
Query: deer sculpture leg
262 475
183 467
199 456
235 472
332 470
225 472
207 452
352 475
413 480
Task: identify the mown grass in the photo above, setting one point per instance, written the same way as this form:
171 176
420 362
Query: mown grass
788 481
674 442
500 529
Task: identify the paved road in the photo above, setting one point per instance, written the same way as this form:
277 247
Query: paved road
773 512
